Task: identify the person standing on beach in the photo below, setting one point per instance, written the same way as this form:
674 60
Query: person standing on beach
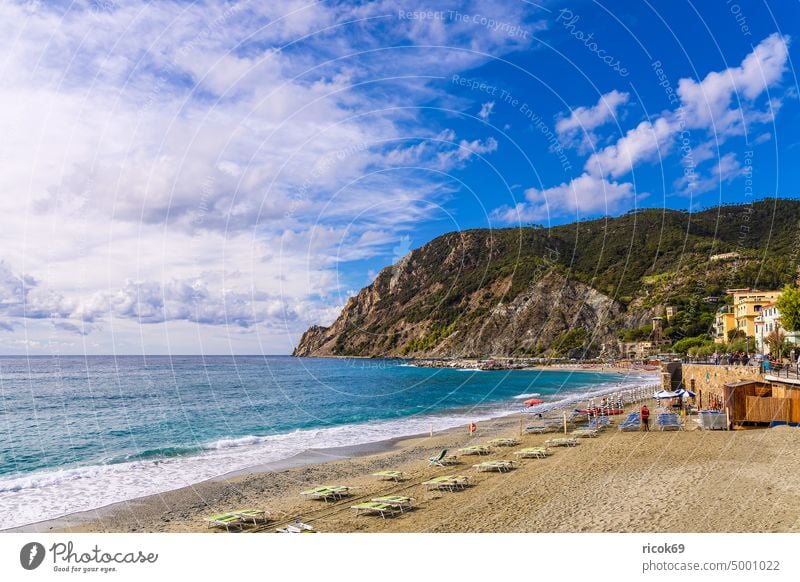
645 414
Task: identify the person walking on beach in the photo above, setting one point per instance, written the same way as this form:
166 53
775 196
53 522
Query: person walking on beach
645 414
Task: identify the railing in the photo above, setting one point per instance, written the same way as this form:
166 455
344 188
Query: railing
787 371
778 370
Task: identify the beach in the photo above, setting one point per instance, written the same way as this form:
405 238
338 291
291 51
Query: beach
692 480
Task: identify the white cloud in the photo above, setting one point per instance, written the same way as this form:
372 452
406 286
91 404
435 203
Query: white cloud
725 170
721 102
646 141
583 196
576 128
486 110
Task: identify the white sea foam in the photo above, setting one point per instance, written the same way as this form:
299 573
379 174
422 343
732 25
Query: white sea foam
531 395
34 497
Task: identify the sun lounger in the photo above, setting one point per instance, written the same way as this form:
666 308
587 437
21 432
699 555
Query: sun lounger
442 459
540 429
383 509
226 520
448 482
533 453
297 527
631 423
504 442
255 515
327 492
500 466
389 475
583 433
399 501
562 442
669 421
475 450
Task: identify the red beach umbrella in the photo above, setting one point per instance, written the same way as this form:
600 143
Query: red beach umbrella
533 402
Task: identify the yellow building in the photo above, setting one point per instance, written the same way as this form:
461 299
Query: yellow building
747 304
725 322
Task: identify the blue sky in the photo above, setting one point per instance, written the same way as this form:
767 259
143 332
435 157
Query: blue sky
187 177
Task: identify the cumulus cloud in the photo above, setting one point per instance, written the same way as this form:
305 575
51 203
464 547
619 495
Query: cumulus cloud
725 170
584 196
576 129
722 101
647 141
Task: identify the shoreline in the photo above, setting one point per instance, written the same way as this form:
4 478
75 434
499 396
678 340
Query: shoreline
300 461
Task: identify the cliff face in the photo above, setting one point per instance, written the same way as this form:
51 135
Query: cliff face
566 291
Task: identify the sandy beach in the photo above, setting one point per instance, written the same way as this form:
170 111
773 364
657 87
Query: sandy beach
695 481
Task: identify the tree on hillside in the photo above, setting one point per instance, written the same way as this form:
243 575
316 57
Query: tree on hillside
789 306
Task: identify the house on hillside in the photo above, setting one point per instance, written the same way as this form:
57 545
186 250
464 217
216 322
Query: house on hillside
768 321
725 257
724 322
747 305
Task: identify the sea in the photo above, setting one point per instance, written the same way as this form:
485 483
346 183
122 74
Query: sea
79 433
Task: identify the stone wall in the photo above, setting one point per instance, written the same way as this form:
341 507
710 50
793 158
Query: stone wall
710 379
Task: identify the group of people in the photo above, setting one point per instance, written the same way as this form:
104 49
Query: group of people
744 358
735 358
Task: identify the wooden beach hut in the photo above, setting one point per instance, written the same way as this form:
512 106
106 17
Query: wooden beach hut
759 403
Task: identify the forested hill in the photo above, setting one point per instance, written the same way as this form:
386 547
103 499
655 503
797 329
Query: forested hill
552 291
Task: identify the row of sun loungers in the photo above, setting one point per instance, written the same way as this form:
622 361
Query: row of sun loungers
390 505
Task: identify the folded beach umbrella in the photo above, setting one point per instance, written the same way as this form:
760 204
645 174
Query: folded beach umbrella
533 402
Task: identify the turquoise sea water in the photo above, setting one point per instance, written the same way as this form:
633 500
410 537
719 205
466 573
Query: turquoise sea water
77 433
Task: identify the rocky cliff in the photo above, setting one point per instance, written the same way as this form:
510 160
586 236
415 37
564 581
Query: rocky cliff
571 290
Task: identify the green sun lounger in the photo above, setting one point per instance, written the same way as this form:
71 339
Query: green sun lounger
504 442
562 442
399 501
449 482
255 514
326 492
476 450
501 466
442 460
297 527
383 509
534 453
226 520
583 433
390 475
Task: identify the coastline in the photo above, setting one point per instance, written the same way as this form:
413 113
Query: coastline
738 481
329 463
